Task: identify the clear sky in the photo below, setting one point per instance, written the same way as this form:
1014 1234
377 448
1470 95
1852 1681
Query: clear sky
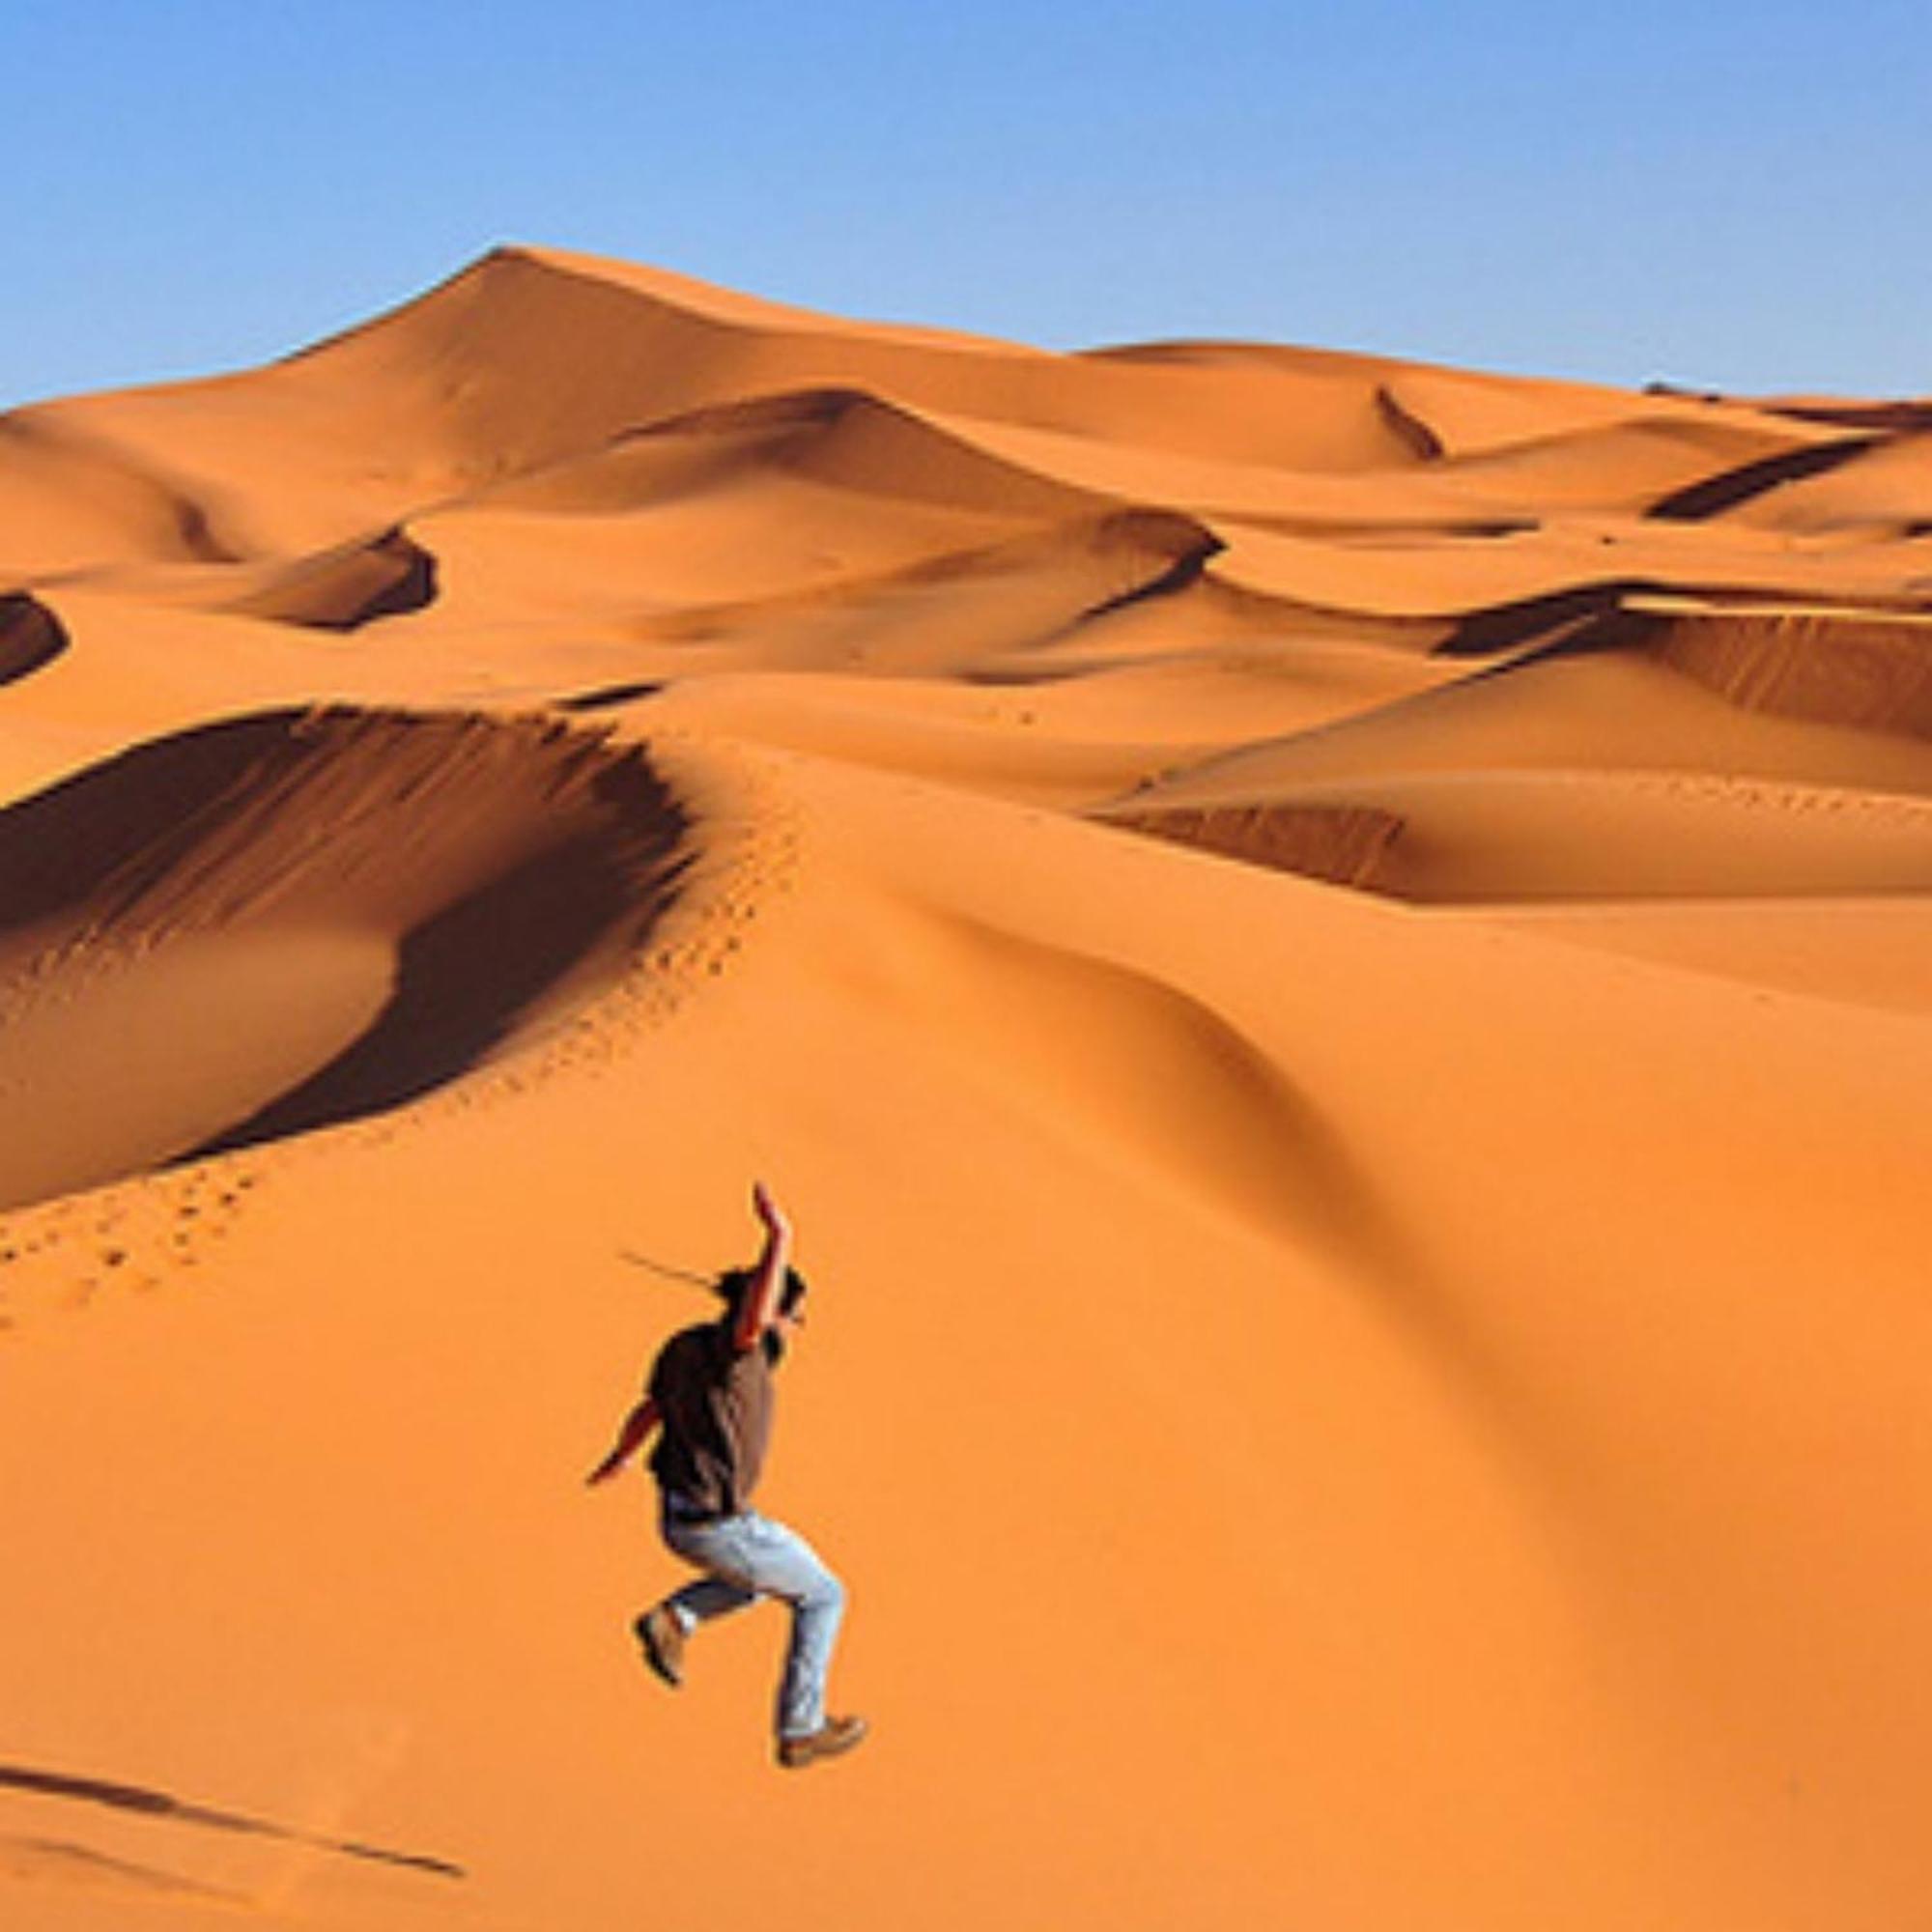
1732 193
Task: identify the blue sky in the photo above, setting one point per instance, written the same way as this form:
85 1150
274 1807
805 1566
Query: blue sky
1724 194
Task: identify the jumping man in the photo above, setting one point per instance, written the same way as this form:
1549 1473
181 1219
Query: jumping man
711 1391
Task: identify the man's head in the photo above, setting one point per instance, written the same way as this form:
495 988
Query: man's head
735 1284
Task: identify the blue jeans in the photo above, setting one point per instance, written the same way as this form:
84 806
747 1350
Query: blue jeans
749 1556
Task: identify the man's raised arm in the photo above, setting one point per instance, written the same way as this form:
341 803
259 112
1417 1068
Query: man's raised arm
768 1277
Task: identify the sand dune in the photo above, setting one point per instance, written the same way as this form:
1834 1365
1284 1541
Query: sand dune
1704 691
1484 837
278 923
1332 954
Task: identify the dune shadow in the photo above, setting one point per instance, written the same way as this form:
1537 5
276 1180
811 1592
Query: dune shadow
1544 619
608 696
1408 429
1177 548
354 584
30 635
1733 488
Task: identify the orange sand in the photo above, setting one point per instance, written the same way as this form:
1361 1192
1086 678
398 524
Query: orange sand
1333 958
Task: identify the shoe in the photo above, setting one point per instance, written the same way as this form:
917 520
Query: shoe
661 1637
834 1737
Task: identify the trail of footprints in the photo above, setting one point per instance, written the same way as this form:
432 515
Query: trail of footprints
131 1236
748 860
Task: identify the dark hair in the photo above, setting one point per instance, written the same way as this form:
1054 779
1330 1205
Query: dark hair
734 1284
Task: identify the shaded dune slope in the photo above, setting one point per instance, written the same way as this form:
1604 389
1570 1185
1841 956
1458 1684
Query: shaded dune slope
1341 844
30 635
344 589
1865 670
293 918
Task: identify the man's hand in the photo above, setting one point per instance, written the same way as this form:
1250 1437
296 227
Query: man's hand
768 1210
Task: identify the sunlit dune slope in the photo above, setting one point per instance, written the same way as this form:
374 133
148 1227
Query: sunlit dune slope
1332 956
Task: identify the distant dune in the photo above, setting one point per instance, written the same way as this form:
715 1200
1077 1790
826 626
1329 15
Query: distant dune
1333 955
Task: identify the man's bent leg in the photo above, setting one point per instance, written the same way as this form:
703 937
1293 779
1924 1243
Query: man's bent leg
725 1587
709 1596
662 1629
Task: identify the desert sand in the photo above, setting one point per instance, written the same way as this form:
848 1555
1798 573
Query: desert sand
1331 955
